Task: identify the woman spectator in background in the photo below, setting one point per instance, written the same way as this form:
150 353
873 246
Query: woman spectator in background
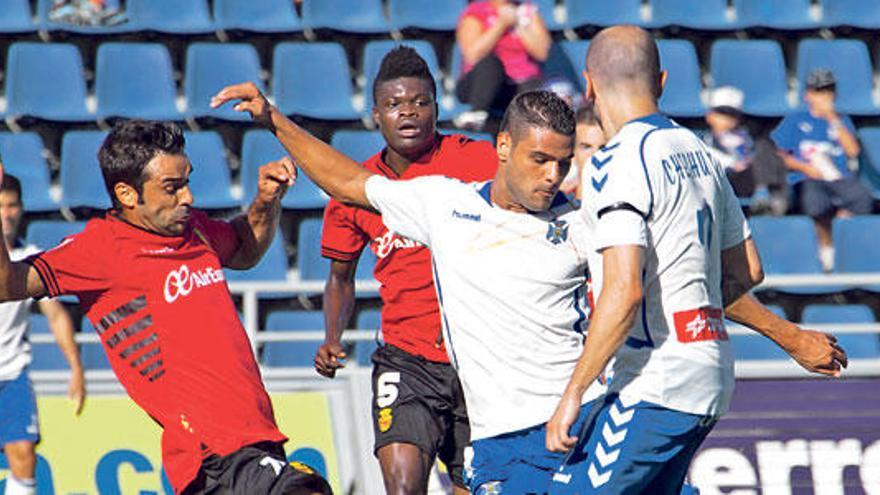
502 43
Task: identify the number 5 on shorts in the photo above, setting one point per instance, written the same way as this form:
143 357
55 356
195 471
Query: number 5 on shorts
386 388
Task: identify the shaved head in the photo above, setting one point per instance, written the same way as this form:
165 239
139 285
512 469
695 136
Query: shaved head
625 57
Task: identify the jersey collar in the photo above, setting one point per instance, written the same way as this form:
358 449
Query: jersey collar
656 119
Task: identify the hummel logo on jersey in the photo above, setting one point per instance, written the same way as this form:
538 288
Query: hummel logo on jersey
474 217
557 231
180 282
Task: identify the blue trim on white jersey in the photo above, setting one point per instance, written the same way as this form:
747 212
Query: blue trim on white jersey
559 200
659 121
486 192
445 326
582 316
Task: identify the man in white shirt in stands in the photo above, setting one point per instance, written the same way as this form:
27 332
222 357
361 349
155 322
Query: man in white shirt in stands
510 259
19 429
669 250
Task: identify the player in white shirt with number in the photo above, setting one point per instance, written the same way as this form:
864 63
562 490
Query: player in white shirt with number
667 232
510 257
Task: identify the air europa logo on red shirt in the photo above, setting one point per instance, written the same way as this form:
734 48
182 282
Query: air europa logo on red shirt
180 282
389 241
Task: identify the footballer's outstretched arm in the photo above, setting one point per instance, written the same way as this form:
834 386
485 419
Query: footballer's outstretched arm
18 280
257 227
816 352
335 173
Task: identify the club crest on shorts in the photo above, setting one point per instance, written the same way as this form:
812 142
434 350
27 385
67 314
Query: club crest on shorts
385 419
557 231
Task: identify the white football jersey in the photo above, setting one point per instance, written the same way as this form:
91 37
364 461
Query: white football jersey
15 350
655 184
511 288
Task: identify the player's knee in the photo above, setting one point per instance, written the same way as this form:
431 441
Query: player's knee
402 480
21 458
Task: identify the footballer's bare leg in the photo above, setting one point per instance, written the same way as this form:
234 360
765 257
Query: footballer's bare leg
405 468
22 460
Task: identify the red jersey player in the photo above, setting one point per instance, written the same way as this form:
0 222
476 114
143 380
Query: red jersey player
425 417
149 275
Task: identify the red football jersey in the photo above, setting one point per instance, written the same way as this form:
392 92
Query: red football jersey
171 332
410 314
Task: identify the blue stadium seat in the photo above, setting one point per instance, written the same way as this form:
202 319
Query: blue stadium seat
576 52
209 181
292 353
601 13
374 51
870 170
171 16
788 246
259 147
777 14
369 319
22 156
45 357
681 95
351 16
311 265
358 145
212 66
46 234
856 345
851 64
454 75
92 355
695 14
366 265
82 184
299 92
757 68
853 241
272 268
258 16
754 346
432 15
43 7
135 80
853 13
46 81
16 18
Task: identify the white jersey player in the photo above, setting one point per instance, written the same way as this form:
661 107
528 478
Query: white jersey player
663 221
510 270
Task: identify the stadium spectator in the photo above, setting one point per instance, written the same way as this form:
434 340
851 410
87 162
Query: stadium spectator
502 43
588 139
818 145
752 166
19 428
668 251
416 426
149 276
509 264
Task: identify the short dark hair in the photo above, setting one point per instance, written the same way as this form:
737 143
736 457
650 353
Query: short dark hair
541 109
586 114
403 61
128 148
11 183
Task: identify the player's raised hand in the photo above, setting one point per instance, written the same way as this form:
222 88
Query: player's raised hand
558 439
275 177
329 358
817 352
251 101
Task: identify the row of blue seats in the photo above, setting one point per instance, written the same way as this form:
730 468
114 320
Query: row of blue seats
301 354
787 246
369 16
47 81
82 184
